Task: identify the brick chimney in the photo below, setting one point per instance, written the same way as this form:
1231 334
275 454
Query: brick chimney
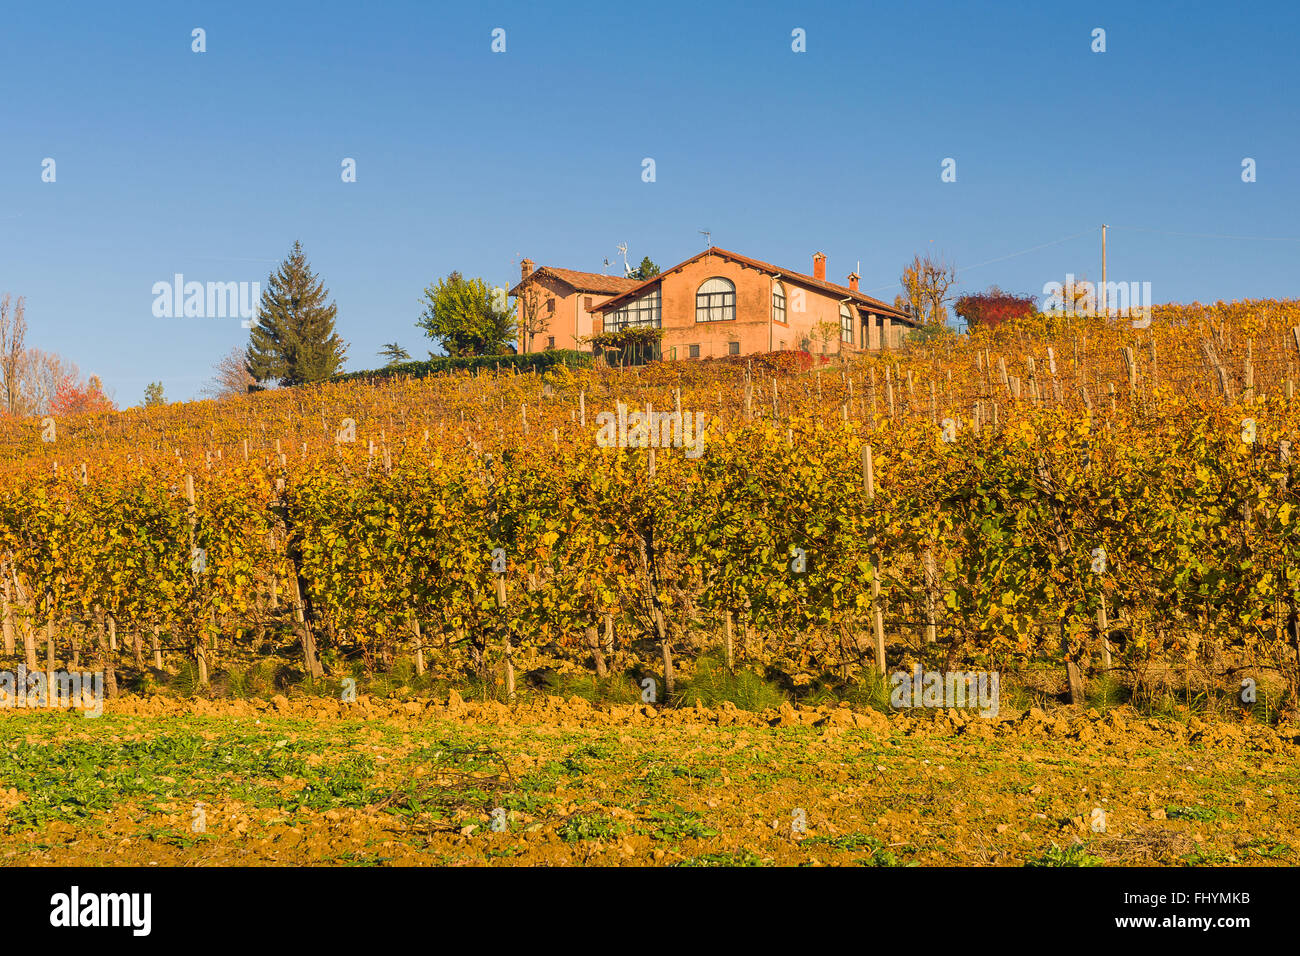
853 281
526 268
819 266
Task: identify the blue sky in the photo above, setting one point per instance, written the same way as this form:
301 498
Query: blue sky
212 164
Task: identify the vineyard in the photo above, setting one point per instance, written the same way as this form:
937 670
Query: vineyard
1075 495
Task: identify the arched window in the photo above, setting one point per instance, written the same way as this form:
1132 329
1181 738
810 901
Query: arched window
715 300
778 302
846 324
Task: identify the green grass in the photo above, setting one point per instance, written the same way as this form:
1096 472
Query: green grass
712 684
1072 855
589 826
674 825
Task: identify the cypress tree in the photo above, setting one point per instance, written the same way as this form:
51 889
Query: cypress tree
293 341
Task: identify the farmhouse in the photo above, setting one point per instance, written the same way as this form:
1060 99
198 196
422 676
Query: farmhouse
713 304
559 304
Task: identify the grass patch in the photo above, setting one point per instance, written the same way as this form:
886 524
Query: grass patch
1072 855
713 684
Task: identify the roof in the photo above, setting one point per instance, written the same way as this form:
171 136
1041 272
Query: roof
583 281
798 278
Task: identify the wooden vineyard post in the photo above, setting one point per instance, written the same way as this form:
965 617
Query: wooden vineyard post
23 600
877 617
505 637
1248 377
200 651
1130 367
1103 628
417 640
597 656
6 616
314 668
729 640
931 583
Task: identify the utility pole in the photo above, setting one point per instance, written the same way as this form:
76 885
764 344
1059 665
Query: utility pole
1105 305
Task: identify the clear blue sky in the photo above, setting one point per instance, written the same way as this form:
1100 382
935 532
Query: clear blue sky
212 164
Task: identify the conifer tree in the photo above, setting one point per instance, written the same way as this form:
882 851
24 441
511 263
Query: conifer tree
293 340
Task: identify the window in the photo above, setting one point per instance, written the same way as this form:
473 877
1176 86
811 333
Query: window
694 351
550 341
640 313
846 325
778 302
550 304
715 301
586 303
733 348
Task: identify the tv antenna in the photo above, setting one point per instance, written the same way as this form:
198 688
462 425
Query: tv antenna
708 237
605 267
622 249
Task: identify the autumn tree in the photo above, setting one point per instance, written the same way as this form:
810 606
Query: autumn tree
465 317
40 376
990 309
925 285
293 340
74 398
231 377
13 331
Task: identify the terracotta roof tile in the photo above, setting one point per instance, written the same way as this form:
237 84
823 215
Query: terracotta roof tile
799 278
584 281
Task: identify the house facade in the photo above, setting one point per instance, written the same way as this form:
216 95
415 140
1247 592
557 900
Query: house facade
556 307
722 303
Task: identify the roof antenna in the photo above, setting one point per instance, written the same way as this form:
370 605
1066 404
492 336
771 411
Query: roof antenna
605 268
627 269
708 237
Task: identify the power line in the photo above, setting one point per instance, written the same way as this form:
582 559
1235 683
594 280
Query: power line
1209 235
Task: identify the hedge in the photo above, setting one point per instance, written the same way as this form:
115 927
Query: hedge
532 361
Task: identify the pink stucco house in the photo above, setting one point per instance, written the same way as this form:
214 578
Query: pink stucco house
722 303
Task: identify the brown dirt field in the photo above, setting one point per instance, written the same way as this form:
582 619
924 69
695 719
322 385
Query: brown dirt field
415 782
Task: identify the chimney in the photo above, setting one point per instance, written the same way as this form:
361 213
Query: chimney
525 268
853 281
819 266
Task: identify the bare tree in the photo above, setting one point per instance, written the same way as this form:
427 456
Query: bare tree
531 320
40 375
13 332
925 288
232 376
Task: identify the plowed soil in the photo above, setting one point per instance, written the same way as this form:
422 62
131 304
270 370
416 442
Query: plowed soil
446 782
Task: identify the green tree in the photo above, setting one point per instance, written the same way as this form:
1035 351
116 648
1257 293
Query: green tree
646 270
466 317
153 395
394 353
293 339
